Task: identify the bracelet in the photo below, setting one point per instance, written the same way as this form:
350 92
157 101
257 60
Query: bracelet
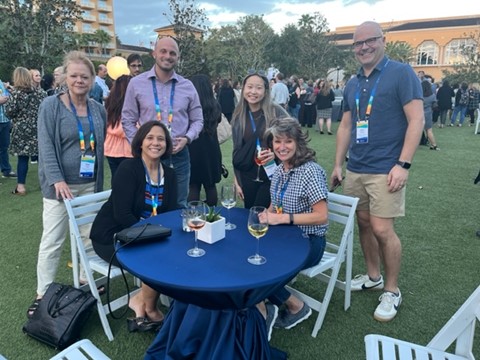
291 219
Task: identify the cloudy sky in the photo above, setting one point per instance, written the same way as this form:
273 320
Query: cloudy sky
135 20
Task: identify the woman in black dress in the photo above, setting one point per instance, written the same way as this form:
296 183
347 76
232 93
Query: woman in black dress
226 98
205 154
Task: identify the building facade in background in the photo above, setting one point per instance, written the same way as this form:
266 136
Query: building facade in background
437 43
97 15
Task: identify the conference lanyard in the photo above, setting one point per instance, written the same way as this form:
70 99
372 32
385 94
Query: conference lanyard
254 129
157 103
279 195
153 195
81 134
368 111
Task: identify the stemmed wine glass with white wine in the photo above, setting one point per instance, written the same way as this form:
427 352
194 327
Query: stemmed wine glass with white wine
258 227
196 213
229 200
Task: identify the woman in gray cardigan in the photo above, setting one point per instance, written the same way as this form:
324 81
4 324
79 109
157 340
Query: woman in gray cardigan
71 133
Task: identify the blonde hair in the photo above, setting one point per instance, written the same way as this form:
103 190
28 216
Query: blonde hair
78 57
32 73
22 79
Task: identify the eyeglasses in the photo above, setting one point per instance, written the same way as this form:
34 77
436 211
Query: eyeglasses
167 36
136 66
256 72
368 42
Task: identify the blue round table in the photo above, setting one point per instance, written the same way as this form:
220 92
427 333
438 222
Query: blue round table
214 314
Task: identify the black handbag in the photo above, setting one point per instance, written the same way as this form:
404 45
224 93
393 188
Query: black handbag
143 233
60 315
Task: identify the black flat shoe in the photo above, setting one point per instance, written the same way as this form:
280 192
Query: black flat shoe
142 324
31 310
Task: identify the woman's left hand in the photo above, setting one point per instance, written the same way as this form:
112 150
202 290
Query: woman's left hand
62 190
274 218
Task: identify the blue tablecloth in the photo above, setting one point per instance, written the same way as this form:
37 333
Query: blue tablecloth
214 315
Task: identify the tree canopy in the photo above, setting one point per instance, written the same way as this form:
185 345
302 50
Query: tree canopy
36 33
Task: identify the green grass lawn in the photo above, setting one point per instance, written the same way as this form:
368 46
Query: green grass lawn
440 266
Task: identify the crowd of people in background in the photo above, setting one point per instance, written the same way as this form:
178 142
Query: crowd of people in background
173 161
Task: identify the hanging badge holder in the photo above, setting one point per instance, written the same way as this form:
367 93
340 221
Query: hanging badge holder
87 166
270 168
362 132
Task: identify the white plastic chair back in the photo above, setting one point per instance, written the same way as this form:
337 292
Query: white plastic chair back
460 329
341 210
82 211
81 350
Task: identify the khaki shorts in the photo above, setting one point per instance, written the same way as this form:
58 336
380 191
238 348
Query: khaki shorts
372 190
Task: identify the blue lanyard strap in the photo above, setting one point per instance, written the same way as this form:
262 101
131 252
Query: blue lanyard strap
280 194
254 129
80 128
154 196
368 111
157 101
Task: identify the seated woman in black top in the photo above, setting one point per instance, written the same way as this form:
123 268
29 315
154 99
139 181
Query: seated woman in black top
141 188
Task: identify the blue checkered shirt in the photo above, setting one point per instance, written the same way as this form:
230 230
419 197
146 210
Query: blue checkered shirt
307 185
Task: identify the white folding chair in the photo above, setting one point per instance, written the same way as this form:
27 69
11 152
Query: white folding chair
82 211
81 350
341 209
460 329
477 122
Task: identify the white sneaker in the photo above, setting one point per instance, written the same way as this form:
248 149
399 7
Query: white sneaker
388 307
363 282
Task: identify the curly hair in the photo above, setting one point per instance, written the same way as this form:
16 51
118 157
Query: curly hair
291 129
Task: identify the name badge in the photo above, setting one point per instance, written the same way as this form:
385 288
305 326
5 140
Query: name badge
270 168
87 166
362 132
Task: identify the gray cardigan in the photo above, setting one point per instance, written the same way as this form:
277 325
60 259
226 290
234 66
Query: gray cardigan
53 146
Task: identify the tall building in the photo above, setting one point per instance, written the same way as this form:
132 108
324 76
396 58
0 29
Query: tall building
437 43
97 15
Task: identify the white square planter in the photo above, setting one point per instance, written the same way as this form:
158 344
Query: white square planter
212 232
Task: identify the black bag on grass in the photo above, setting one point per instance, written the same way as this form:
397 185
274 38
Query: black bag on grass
60 316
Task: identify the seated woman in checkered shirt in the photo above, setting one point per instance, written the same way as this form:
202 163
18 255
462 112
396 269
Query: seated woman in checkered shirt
299 197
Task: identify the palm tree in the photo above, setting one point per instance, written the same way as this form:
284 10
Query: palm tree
399 51
102 38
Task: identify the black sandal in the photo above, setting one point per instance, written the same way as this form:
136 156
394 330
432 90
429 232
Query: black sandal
142 324
31 310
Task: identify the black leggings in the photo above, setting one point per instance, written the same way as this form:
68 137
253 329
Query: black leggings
210 192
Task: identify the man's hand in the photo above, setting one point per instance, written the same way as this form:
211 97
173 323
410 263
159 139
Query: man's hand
178 144
397 178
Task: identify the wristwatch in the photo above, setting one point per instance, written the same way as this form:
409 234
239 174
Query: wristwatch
404 164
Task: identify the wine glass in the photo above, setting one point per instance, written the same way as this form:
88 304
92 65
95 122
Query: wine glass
229 200
257 226
196 213
258 160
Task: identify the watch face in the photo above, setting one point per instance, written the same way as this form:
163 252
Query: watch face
404 164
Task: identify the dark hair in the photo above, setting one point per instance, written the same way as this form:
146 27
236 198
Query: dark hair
114 103
142 133
212 112
225 84
426 88
134 57
47 82
292 129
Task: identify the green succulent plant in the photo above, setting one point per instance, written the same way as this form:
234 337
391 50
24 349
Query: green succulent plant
212 215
